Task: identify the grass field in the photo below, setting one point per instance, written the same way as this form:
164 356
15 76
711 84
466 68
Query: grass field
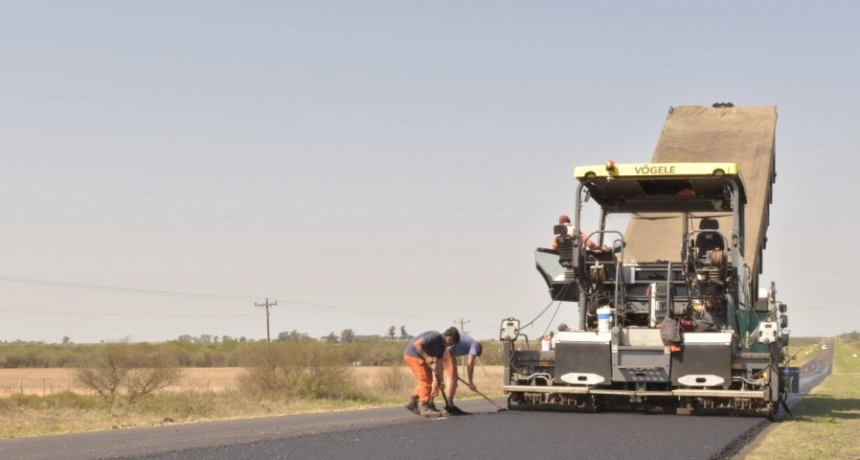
44 382
803 349
826 424
46 401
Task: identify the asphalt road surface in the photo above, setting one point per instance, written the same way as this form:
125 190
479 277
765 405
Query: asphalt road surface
395 433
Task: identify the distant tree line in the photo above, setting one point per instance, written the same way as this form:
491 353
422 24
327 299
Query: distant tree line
345 336
361 350
852 337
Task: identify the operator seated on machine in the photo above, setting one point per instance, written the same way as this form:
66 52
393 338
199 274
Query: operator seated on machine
584 241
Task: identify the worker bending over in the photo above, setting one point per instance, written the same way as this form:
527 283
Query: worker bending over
422 356
471 349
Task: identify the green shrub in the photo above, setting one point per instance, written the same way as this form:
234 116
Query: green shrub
298 369
274 370
133 370
326 378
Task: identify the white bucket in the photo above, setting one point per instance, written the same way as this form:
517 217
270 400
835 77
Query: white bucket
604 316
546 343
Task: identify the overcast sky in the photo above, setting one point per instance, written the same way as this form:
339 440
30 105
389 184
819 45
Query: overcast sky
166 165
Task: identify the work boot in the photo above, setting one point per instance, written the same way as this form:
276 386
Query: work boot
454 410
432 404
427 411
412 405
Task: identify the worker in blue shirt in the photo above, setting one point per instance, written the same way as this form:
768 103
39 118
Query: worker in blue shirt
470 349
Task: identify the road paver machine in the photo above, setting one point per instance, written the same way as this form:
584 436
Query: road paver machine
669 312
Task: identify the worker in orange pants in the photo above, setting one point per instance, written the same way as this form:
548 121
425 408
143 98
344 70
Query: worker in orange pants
422 356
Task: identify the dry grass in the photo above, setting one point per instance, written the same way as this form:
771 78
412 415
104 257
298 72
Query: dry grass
46 401
44 382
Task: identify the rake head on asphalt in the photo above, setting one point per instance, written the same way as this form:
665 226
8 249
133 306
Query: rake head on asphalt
498 407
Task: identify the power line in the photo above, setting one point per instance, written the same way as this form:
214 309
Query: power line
385 314
147 315
94 287
197 296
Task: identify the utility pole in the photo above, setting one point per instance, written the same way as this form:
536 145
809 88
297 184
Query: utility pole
267 304
462 323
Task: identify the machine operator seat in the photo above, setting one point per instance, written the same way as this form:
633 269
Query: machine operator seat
709 263
709 239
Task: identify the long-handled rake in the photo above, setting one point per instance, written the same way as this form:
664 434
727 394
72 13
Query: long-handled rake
500 408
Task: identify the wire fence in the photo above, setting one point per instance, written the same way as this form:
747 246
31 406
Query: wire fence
43 382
